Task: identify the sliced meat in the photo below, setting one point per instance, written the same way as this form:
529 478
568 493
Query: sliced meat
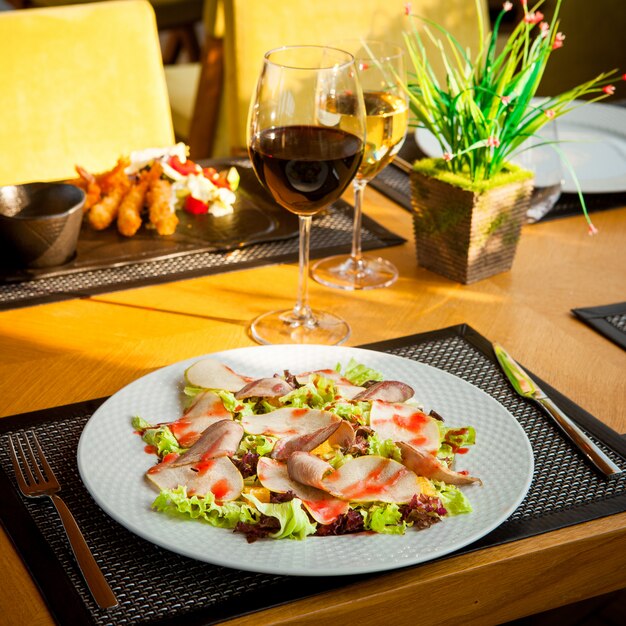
372 479
211 374
427 465
264 388
206 410
308 469
217 476
287 422
323 507
220 439
286 446
343 437
403 422
339 434
387 390
344 387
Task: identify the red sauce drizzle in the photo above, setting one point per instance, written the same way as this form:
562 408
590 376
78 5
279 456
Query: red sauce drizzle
413 422
299 412
204 466
150 450
220 488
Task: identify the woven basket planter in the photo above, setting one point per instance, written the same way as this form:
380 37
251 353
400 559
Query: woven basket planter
463 235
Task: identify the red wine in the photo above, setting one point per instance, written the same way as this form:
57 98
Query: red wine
305 168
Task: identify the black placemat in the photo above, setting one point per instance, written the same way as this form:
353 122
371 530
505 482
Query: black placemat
394 183
331 234
155 586
609 320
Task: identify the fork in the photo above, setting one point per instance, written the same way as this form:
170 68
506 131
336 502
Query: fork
34 483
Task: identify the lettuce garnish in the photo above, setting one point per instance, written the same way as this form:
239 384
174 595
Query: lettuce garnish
383 447
261 444
357 373
452 498
384 518
294 521
317 393
160 438
176 502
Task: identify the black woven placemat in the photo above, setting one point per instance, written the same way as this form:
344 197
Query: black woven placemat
155 586
331 234
394 183
609 320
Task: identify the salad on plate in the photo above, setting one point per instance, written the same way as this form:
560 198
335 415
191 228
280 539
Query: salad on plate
325 452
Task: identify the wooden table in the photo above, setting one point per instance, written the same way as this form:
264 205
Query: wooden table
80 349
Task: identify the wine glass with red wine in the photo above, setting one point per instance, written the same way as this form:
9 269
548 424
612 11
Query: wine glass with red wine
305 148
382 75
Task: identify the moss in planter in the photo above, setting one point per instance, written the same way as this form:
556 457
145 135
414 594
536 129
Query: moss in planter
439 169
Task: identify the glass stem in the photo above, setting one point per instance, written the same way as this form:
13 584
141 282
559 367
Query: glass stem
302 310
359 190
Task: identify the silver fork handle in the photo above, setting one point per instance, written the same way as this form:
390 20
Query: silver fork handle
91 571
586 446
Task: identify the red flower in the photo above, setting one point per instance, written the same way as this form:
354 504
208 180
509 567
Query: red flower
533 17
493 142
609 89
506 100
407 8
550 114
592 230
558 41
545 29
507 6
447 156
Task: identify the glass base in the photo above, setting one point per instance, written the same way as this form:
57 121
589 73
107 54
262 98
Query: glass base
344 272
285 327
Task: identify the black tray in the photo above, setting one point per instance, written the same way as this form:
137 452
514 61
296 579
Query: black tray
256 218
609 320
155 586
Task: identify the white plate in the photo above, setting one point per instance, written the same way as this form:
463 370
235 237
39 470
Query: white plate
593 139
112 462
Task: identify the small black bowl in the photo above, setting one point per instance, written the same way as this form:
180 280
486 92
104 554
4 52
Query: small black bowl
40 223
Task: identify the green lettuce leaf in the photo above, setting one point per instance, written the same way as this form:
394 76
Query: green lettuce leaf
384 518
355 411
261 444
294 521
160 437
384 447
176 502
358 374
453 499
315 394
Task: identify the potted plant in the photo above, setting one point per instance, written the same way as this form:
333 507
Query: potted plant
469 206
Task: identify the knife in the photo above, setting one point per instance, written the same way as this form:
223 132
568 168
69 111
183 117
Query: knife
528 388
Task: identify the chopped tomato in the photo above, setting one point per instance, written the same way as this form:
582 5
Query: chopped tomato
195 206
186 168
217 178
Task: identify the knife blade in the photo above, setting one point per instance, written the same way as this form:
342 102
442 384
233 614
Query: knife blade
526 387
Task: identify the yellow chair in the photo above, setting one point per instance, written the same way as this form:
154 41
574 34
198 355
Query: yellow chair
252 27
79 84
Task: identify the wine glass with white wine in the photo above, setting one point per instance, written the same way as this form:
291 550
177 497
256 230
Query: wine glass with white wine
382 73
305 152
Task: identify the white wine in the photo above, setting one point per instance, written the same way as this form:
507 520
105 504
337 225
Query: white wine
386 124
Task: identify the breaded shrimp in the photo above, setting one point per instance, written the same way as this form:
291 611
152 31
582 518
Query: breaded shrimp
129 215
87 181
102 214
162 216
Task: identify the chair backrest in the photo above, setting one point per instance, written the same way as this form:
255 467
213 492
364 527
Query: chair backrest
252 27
79 84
